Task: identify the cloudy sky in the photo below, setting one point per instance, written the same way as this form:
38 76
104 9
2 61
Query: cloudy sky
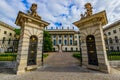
58 12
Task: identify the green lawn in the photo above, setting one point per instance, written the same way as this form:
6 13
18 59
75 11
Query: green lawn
113 56
45 55
8 57
77 55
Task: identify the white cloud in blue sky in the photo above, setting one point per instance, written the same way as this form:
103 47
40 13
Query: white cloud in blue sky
58 12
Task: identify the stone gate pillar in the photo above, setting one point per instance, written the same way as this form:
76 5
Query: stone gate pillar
94 54
31 39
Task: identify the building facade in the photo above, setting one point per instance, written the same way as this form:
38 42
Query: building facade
112 33
67 39
7 34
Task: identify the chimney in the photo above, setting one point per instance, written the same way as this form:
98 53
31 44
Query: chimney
73 28
62 28
68 28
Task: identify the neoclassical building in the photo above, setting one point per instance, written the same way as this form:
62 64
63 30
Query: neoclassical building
7 34
67 39
112 33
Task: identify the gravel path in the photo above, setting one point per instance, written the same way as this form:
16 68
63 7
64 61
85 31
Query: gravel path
61 66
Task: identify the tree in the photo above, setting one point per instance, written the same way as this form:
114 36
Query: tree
47 42
17 31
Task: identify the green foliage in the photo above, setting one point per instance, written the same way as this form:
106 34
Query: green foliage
8 57
17 31
47 42
113 55
45 55
77 55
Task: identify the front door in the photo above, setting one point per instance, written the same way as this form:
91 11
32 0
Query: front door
91 50
32 51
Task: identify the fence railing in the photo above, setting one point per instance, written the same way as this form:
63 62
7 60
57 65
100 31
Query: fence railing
8 50
113 49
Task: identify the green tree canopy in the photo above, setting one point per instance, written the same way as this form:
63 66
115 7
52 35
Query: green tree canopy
47 42
17 31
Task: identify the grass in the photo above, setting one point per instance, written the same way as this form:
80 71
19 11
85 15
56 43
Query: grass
113 55
114 58
77 55
45 55
8 57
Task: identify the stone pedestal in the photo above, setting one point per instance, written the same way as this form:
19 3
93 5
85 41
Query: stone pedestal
31 37
94 54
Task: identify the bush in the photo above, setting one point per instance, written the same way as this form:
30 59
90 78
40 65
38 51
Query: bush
45 55
77 55
8 57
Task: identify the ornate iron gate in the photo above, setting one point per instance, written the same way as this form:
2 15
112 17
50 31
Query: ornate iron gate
32 53
91 50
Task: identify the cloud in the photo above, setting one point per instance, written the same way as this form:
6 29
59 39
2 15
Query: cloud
64 12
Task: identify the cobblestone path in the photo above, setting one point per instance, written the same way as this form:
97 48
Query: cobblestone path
61 66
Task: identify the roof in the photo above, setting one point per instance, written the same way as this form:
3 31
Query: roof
62 31
114 24
6 25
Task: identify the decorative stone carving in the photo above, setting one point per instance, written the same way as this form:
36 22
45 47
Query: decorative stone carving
33 11
88 12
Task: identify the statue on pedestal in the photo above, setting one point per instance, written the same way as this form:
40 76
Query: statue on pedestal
33 11
88 12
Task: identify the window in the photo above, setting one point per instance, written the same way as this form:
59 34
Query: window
71 42
75 36
10 34
76 49
51 28
60 41
70 36
116 39
65 49
118 49
9 41
114 31
75 43
71 49
109 33
111 48
65 42
54 42
54 36
65 36
110 40
3 40
5 32
59 36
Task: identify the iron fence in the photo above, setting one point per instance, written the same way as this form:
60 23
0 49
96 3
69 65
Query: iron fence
113 49
8 50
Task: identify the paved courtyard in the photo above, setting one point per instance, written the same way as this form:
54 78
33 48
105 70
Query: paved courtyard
60 66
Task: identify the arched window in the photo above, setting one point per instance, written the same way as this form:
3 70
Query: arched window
65 42
71 42
54 42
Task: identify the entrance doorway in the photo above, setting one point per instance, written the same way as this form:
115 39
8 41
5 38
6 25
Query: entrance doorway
32 52
91 50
